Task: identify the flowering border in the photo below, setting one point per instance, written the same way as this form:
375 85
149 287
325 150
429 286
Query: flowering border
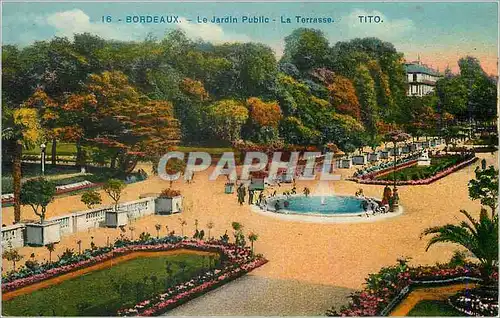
391 285
234 255
435 177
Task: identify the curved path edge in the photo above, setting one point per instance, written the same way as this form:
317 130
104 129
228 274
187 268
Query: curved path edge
428 293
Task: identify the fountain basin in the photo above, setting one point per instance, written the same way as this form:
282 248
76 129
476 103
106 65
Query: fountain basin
336 209
331 205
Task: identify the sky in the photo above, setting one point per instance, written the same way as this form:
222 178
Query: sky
438 33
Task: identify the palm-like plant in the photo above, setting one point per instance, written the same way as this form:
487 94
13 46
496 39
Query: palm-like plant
158 228
182 222
50 247
252 237
480 237
210 226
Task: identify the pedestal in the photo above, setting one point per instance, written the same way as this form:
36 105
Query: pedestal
41 234
164 205
229 188
346 163
359 160
116 218
373 157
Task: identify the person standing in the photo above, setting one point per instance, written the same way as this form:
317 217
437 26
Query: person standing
250 197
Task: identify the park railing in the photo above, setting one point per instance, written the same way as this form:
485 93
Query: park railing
14 235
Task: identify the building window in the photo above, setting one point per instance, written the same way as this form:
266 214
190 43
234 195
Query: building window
414 77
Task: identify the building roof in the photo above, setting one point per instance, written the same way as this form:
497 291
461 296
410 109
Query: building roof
419 68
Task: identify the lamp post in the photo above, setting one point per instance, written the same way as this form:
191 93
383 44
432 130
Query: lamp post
395 158
42 147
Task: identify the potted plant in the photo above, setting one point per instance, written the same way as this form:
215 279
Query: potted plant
38 193
169 201
115 217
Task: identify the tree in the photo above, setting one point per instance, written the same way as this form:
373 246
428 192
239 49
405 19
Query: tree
252 237
264 120
306 49
480 237
38 193
174 166
226 118
158 228
114 188
20 129
365 88
13 256
50 247
485 187
91 198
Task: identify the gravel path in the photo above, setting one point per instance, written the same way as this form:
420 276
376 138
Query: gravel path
259 296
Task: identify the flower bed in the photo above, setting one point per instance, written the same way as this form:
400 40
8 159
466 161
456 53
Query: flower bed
477 302
195 287
392 284
435 177
237 262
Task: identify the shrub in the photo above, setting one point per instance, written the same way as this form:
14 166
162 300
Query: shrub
170 193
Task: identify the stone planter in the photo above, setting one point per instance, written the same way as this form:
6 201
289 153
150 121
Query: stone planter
41 234
164 205
116 218
398 151
229 188
433 143
426 144
346 163
406 149
374 156
359 160
384 154
256 184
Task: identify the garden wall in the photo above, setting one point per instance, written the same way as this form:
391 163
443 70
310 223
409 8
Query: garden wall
80 221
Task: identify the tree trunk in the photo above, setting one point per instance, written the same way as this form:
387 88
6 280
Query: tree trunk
54 152
16 176
79 154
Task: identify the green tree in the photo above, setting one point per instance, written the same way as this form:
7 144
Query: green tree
38 193
480 237
91 198
12 255
306 49
114 189
365 87
225 119
485 187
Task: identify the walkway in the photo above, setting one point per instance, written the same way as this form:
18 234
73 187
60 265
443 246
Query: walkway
259 296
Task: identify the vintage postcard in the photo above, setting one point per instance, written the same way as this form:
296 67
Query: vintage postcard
249 158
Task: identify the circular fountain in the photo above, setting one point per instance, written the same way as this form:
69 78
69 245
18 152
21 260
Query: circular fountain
323 206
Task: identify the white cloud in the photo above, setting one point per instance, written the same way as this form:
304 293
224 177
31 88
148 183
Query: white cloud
388 29
210 32
67 23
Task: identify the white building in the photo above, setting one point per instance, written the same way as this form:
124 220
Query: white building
421 79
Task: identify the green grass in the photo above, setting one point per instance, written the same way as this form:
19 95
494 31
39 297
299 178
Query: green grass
210 150
63 149
422 172
434 308
94 294
69 149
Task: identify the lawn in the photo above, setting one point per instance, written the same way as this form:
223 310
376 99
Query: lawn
434 308
103 292
63 149
423 172
69 149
